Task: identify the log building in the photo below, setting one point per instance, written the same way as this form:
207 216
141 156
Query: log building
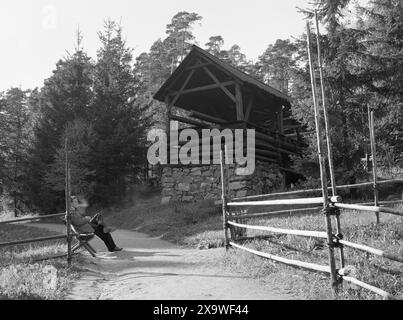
206 92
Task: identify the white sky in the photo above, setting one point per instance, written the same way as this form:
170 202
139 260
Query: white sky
36 33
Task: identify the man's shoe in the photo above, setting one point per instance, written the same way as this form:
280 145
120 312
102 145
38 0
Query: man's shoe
117 249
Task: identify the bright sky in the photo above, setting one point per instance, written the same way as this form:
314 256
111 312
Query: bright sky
37 33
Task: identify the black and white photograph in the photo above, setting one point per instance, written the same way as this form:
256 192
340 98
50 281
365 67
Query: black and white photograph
201 156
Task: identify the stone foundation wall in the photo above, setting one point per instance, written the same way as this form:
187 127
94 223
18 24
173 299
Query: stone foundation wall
204 183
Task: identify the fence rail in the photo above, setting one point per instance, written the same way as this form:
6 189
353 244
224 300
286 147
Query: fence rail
14 243
382 293
283 202
318 268
368 208
321 235
374 251
33 218
295 263
67 214
302 233
272 214
309 191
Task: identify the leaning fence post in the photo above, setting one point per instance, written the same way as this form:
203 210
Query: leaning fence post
224 199
329 141
322 167
68 207
374 160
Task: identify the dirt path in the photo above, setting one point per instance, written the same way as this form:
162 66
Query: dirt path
149 268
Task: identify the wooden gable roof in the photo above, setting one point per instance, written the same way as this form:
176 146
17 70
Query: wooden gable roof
206 84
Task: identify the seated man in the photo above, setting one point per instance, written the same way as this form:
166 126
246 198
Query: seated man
83 224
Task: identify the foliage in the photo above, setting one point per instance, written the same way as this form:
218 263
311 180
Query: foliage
117 151
105 105
277 64
154 67
16 120
356 58
78 136
93 104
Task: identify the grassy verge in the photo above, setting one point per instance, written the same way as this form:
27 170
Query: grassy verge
23 279
196 225
200 226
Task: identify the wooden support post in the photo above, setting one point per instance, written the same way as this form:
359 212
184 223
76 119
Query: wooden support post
249 108
328 138
333 272
374 160
224 199
168 115
239 102
68 206
281 114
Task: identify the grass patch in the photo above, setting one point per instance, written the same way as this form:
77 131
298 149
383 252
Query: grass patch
21 278
189 224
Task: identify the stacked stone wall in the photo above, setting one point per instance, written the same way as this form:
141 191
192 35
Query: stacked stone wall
185 184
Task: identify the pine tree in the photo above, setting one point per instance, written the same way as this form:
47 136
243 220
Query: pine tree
155 67
277 64
117 153
16 136
214 46
383 24
65 96
342 50
77 138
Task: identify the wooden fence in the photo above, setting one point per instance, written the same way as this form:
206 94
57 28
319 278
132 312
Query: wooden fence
331 205
230 222
68 236
34 240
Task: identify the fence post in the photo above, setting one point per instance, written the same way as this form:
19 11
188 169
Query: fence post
224 199
374 160
322 167
231 216
328 140
68 207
